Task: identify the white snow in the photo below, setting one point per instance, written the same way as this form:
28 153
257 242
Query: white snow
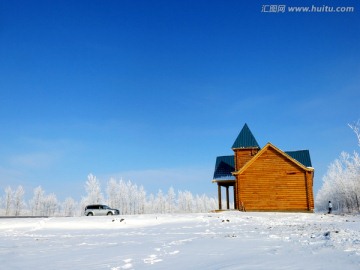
227 240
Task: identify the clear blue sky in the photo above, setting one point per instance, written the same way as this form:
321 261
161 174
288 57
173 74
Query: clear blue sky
153 91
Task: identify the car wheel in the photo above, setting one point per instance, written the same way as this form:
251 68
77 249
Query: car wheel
90 214
110 214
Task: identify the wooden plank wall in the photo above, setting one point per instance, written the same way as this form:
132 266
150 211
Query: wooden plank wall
242 156
274 183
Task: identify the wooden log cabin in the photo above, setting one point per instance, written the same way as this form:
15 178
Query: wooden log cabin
266 179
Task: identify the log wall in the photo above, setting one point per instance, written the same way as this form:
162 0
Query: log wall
274 183
242 156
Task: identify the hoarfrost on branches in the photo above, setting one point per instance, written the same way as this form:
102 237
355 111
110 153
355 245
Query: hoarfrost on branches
19 200
126 196
36 203
93 190
356 128
341 184
8 200
69 207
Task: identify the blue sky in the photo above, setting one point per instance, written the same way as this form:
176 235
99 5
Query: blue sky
153 91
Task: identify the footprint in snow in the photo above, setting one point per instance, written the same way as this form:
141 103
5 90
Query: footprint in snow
152 259
116 219
127 265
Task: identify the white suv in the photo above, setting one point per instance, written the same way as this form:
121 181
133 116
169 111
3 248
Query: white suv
100 210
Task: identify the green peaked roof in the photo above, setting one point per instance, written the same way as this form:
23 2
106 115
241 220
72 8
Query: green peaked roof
303 156
224 167
245 139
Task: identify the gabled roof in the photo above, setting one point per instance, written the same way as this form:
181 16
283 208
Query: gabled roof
303 156
245 139
267 146
224 168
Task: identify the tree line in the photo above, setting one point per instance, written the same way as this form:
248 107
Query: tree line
126 196
341 183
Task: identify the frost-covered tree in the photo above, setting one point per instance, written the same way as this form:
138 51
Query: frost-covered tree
131 199
356 128
150 204
171 200
123 197
201 203
211 203
19 200
37 200
69 207
185 201
128 197
133 196
341 184
83 203
112 191
160 202
93 190
8 200
141 200
50 205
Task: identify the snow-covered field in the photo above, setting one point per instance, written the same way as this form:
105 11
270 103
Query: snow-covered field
227 240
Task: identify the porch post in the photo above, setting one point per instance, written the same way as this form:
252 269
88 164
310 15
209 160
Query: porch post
219 196
227 198
235 203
